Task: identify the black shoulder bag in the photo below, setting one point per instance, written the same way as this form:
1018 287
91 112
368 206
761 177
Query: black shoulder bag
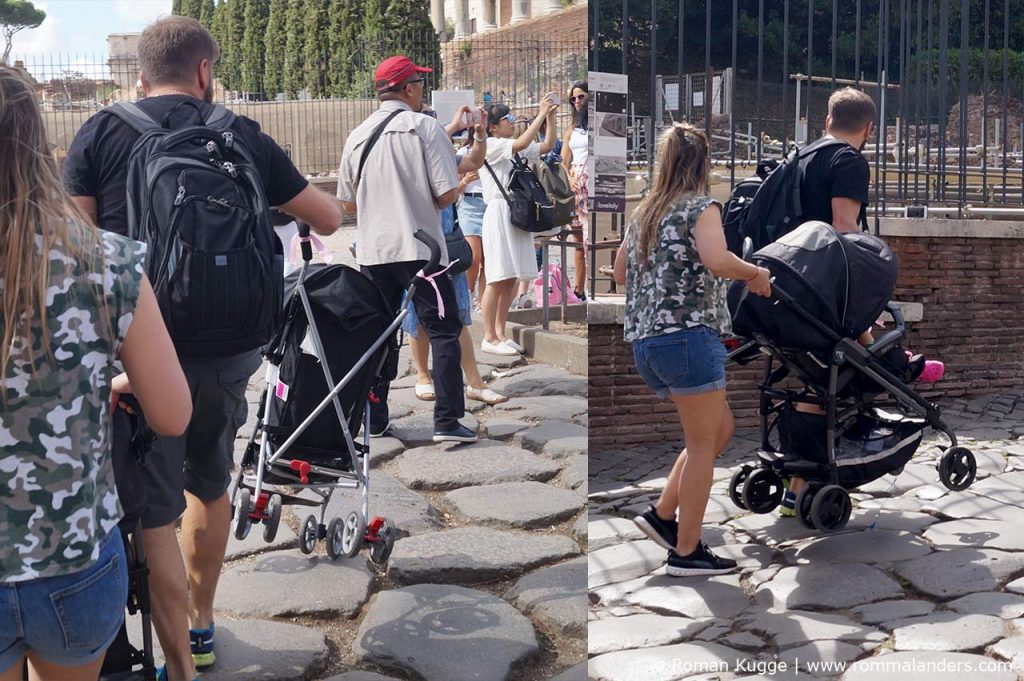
530 207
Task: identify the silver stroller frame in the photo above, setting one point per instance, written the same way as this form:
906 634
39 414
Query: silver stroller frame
261 501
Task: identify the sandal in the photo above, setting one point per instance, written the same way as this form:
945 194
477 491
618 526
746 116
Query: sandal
425 392
485 395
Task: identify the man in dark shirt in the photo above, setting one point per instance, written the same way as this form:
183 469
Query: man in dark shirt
836 178
187 477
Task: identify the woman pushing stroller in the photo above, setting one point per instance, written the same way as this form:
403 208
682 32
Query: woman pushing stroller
675 266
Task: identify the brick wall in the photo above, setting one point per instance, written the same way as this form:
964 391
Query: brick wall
972 290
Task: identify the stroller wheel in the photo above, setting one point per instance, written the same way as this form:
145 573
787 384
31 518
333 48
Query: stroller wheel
352 535
273 520
958 468
762 491
736 486
831 508
241 522
380 551
307 542
335 533
803 504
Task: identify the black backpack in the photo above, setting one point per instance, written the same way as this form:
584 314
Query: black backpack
196 200
530 207
768 205
555 180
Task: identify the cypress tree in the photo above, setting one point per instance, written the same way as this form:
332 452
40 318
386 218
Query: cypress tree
206 12
316 46
346 71
274 48
189 8
377 39
254 20
176 8
408 21
294 45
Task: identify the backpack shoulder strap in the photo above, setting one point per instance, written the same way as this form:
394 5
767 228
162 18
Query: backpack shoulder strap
378 131
133 116
497 182
818 145
219 118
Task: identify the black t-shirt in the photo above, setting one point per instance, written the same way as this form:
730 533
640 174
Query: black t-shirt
97 162
836 171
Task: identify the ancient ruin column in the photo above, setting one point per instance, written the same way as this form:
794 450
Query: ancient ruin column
550 6
437 17
488 16
462 28
520 11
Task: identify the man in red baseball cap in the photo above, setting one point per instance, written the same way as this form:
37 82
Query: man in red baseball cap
393 71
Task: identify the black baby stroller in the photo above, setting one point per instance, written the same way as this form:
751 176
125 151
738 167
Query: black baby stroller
314 405
827 289
130 441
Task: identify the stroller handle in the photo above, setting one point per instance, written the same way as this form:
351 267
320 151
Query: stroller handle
304 244
897 315
435 250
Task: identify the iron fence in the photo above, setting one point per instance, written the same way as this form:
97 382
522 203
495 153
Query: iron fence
947 77
312 112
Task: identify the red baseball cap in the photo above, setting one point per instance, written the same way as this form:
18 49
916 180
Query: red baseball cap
394 70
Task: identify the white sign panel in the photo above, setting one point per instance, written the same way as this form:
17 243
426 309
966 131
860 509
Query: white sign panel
609 124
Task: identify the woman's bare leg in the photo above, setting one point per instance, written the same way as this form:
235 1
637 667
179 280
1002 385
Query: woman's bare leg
668 502
476 270
469 366
420 347
496 294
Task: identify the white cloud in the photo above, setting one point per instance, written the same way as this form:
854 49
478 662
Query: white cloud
142 11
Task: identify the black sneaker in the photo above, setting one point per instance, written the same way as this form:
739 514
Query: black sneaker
700 562
455 433
382 432
661 532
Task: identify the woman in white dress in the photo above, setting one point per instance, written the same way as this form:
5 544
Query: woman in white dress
509 255
575 152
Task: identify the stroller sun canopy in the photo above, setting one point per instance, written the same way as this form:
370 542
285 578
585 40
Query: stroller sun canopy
843 280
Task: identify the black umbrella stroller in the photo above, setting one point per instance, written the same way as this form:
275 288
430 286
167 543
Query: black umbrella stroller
827 288
314 405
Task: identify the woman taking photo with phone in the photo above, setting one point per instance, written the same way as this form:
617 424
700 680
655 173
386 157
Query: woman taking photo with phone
575 153
675 265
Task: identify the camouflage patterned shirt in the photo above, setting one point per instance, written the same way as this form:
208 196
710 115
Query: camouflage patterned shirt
672 290
56 480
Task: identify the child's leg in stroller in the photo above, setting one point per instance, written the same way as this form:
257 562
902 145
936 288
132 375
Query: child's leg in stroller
703 417
168 587
204 539
668 502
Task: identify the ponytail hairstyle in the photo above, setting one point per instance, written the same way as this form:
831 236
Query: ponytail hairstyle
682 168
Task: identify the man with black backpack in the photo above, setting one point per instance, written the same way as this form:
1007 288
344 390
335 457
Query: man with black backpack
200 183
397 173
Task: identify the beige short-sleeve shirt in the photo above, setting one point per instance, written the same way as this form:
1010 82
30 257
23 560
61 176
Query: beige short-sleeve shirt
412 163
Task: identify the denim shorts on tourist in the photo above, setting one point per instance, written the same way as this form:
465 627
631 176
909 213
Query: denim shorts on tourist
68 620
471 215
682 363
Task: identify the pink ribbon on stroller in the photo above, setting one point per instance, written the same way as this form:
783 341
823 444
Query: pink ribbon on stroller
440 301
318 245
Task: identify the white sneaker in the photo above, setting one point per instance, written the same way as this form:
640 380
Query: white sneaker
527 301
497 349
508 342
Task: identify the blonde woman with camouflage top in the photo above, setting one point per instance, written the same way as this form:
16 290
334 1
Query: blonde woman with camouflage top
73 302
674 263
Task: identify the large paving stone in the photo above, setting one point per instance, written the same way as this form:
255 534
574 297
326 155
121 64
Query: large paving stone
574 473
486 462
289 583
542 408
445 632
577 673
1005 605
968 505
913 475
502 428
608 531
948 631
418 430
553 436
794 627
926 666
959 572
515 504
1011 650
886 519
990 534
468 555
871 546
253 544
411 512
384 449
770 529
579 529
640 631
361 676
891 611
555 597
623 562
835 653
664 663
695 597
814 586
256 650
540 380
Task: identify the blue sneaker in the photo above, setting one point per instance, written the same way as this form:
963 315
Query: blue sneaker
202 646
161 674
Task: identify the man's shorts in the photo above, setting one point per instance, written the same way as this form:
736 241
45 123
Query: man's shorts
686 362
201 459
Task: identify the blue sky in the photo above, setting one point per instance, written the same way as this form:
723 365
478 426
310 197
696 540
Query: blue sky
75 31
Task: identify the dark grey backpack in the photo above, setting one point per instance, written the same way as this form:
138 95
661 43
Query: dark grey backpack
196 200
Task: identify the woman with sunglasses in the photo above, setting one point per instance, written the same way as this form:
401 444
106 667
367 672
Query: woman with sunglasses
508 251
575 153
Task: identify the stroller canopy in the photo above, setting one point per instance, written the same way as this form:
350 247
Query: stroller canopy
843 280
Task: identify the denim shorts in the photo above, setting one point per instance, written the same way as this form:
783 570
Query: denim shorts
471 215
68 620
682 362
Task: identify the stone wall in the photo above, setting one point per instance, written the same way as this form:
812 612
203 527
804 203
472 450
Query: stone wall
967 276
